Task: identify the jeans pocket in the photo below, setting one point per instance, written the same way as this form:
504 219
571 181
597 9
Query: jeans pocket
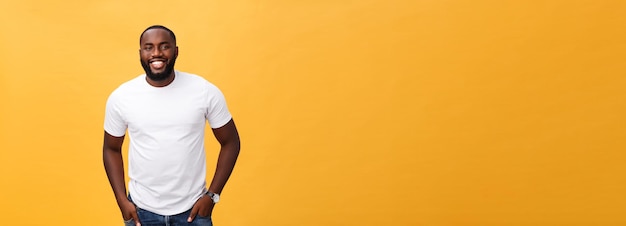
202 221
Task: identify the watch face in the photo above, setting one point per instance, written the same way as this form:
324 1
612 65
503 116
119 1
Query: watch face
216 198
213 196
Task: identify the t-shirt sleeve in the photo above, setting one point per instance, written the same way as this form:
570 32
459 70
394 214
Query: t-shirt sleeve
114 123
217 113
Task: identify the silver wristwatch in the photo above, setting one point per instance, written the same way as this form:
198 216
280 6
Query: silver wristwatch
214 196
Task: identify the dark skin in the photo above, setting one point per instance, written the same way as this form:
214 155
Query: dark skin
164 48
158 45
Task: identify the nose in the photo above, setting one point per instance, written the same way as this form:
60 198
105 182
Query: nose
157 52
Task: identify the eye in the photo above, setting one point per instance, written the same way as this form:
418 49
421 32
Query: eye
165 47
147 48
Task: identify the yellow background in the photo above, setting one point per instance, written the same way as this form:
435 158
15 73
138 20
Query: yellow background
368 112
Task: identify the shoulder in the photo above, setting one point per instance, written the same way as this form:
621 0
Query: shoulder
198 81
128 86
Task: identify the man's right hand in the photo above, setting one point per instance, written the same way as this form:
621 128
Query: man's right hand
129 211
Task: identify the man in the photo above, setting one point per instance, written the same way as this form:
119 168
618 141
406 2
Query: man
165 112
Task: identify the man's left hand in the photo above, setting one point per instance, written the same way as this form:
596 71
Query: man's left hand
203 207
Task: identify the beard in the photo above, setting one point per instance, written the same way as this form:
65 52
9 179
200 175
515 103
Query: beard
169 67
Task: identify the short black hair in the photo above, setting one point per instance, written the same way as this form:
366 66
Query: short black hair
158 27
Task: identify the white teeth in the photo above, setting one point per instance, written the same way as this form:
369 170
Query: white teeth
157 63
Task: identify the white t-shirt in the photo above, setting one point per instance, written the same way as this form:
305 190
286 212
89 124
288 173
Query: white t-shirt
167 163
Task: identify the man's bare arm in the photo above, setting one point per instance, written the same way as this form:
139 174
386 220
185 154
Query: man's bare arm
114 167
228 137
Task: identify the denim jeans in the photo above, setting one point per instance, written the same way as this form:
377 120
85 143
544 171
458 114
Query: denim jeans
147 218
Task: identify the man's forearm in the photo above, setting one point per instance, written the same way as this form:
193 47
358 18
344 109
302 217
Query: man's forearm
225 164
114 167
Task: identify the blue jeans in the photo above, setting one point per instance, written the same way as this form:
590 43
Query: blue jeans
147 218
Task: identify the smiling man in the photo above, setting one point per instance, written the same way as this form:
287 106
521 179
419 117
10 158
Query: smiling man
165 112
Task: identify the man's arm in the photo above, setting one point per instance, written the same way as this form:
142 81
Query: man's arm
228 137
114 167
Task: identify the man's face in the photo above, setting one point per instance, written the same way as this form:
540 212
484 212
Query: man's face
158 53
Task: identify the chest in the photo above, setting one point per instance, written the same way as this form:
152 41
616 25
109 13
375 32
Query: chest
158 111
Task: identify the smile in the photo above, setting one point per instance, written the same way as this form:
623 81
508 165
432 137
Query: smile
157 64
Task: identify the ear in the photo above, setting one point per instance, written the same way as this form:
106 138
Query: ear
176 54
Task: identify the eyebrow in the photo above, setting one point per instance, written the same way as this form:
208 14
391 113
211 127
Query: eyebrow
160 43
